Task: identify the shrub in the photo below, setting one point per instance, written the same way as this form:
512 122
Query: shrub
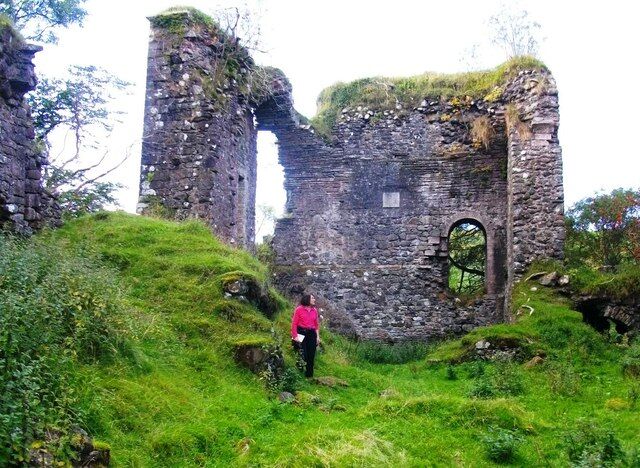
476 369
501 445
505 379
591 445
450 373
482 388
563 380
56 309
631 361
633 395
290 380
382 353
508 380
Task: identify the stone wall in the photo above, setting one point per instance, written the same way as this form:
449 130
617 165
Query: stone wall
535 192
370 209
199 143
24 205
387 267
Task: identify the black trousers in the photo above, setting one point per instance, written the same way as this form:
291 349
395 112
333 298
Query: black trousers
308 348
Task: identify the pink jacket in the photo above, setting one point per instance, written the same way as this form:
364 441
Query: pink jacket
305 317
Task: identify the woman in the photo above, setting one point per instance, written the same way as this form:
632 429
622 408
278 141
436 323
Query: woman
306 326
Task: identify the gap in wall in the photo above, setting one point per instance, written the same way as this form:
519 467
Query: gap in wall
467 258
270 193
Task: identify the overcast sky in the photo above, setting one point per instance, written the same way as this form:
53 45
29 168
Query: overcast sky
591 48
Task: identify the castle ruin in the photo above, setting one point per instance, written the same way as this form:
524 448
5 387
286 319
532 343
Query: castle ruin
25 206
371 205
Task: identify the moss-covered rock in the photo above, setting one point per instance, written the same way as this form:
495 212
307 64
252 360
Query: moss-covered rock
245 286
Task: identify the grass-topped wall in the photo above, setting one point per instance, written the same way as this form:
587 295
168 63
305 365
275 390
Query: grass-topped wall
382 93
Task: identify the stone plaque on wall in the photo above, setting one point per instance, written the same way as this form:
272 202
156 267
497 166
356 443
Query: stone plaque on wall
391 199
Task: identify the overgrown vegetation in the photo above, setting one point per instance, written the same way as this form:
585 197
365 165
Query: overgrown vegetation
385 93
175 397
174 22
57 309
602 249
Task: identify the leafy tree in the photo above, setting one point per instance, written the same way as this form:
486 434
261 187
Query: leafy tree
604 230
79 105
266 215
467 258
38 19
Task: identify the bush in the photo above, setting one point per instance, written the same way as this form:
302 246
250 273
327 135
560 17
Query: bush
633 395
591 445
399 353
563 380
501 445
631 360
482 388
56 309
476 369
290 380
604 230
505 379
450 373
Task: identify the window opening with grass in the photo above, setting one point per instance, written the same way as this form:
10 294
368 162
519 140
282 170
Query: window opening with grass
467 257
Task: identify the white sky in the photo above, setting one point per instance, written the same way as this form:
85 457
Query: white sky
591 48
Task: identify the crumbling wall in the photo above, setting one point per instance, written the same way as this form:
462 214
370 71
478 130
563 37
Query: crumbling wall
386 268
535 189
199 143
24 204
369 207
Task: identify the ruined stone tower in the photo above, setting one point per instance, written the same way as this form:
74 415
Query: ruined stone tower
371 204
24 204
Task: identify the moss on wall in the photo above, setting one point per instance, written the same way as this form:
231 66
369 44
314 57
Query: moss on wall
175 19
7 25
386 93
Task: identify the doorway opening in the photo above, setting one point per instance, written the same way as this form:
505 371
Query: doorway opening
467 243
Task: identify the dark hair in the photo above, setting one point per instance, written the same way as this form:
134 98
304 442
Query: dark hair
305 300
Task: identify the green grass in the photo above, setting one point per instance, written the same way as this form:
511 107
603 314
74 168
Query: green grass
379 93
180 400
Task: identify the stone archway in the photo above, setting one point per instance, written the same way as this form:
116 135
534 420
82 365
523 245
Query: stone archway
467 256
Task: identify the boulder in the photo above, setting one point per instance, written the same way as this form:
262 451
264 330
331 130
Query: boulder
286 397
550 279
535 361
88 452
245 287
259 356
331 382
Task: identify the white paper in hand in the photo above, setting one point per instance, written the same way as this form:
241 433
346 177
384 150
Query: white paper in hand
299 338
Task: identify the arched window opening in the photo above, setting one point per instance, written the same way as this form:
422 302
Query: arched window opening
270 193
467 257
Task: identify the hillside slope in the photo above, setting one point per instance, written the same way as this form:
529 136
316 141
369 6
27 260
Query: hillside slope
177 398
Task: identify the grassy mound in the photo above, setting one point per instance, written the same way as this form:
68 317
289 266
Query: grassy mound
381 93
175 396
